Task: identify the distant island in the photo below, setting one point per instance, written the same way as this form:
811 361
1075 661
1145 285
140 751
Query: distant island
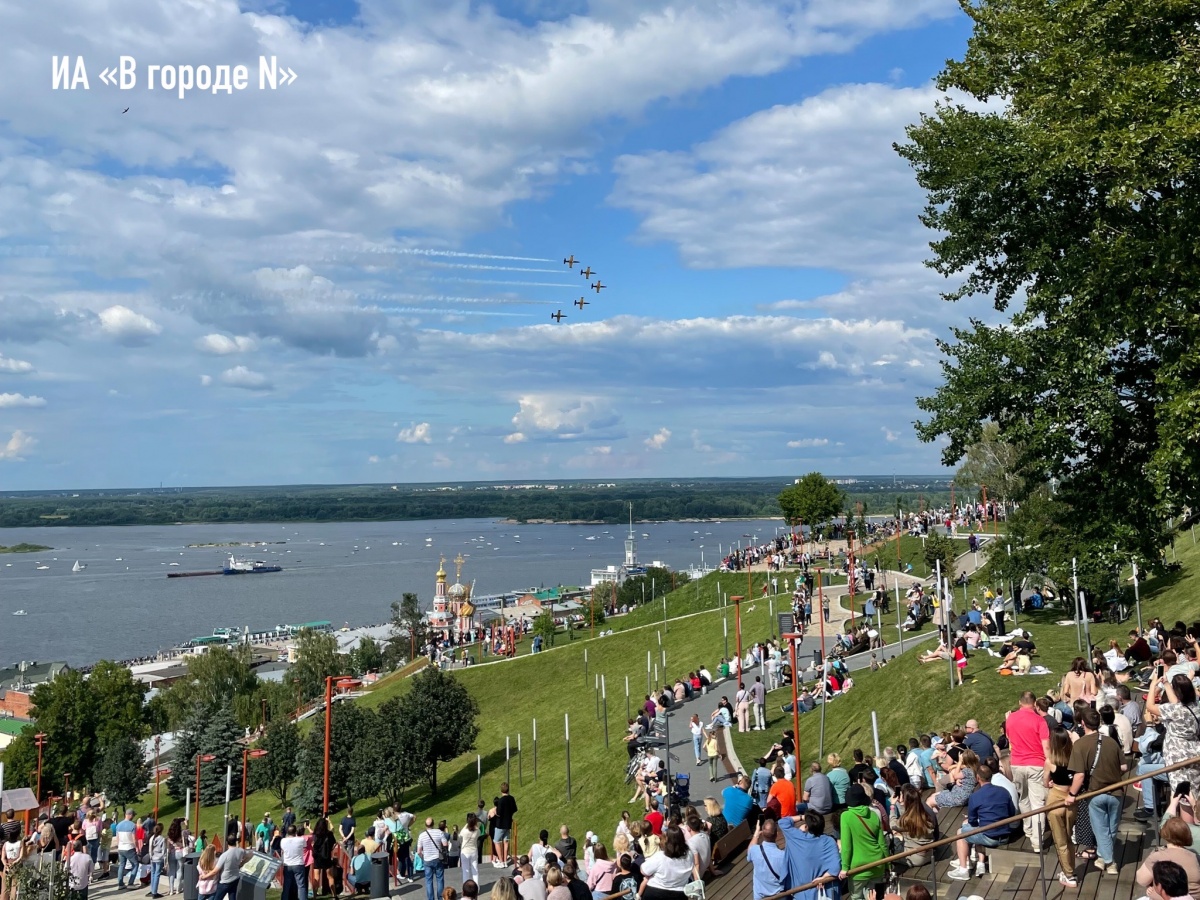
593 502
23 548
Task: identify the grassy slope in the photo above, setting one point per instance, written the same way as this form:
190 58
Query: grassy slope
909 697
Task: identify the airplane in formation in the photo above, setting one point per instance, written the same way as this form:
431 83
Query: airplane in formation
597 286
558 316
569 262
587 273
581 303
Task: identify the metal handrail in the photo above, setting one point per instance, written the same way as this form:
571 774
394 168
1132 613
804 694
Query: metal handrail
1011 820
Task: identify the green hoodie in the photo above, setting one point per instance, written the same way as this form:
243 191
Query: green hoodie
863 841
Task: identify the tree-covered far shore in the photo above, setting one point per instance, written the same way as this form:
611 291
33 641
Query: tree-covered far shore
552 502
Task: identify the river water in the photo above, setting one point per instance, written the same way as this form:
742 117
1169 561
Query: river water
123 605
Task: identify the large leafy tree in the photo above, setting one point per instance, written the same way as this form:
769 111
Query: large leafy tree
812 501
398 769
187 745
410 627
123 772
1072 204
317 659
279 768
993 463
214 680
221 739
437 721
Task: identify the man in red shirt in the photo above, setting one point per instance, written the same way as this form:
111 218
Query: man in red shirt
783 791
654 818
1029 738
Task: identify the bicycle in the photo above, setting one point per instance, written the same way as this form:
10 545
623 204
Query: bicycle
1118 612
635 765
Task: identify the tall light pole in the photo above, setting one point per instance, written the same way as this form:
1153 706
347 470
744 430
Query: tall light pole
737 627
247 755
157 777
40 740
791 639
200 758
343 681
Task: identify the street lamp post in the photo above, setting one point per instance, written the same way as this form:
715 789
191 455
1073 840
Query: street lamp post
791 639
343 681
737 627
40 740
247 755
157 777
200 758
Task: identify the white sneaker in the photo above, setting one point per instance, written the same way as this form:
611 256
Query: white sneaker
958 873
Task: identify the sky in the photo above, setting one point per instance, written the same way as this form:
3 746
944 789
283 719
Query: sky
349 277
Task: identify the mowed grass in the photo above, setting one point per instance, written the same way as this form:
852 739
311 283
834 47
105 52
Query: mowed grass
548 686
909 697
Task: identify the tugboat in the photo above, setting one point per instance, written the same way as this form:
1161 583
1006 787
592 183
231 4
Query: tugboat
237 566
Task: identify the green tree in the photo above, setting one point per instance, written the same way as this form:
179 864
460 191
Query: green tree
65 711
20 759
544 626
221 739
1073 203
992 462
317 659
121 698
410 627
811 501
939 548
438 721
278 770
123 772
187 745
366 657
398 769
216 679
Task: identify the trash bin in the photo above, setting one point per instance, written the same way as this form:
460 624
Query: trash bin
190 870
381 885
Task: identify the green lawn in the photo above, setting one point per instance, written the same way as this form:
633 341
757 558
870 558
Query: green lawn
929 703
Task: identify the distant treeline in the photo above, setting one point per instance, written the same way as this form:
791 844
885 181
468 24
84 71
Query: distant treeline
701 499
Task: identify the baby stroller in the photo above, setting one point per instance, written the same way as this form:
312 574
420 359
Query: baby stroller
679 796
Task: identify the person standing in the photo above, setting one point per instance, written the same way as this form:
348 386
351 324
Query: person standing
229 869
863 842
346 831
295 884
758 696
742 705
506 809
432 847
1029 739
157 851
1174 704
79 870
125 832
1096 763
469 849
768 860
1058 778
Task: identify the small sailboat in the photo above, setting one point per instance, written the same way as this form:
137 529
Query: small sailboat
42 568
78 567
20 612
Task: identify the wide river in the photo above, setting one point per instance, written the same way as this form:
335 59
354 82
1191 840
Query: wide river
122 605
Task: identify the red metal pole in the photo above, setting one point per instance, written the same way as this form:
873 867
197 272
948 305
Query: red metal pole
157 779
328 733
245 766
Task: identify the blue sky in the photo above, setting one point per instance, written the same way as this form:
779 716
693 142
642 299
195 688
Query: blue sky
350 278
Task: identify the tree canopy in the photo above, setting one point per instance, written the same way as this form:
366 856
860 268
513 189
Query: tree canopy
811 501
436 721
1072 204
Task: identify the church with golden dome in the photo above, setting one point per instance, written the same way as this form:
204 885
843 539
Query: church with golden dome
453 613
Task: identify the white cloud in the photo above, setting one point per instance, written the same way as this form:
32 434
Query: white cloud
246 379
417 433
18 446
808 442
372 459
815 184
205 380
563 417
516 437
889 435
127 326
659 439
14 366
11 401
222 345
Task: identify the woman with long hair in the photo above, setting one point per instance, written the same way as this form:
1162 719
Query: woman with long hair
669 870
207 873
1057 775
469 852
175 850
1174 704
1079 683
600 875
322 854
915 824
157 850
